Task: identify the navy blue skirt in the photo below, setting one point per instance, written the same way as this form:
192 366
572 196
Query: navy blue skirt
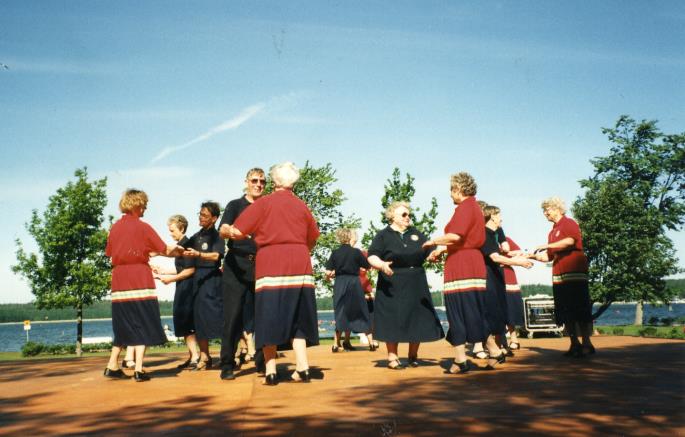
184 298
572 302
137 323
208 310
495 302
282 314
514 309
403 309
351 309
465 316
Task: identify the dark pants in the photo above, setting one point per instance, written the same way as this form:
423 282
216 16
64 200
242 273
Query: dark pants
235 292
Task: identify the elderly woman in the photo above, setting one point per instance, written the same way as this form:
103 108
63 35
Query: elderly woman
496 296
285 306
572 306
135 310
184 325
207 249
403 311
465 275
349 303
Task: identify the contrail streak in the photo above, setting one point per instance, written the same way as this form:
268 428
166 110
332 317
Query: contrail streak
233 123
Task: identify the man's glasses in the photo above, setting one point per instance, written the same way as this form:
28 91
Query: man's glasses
256 181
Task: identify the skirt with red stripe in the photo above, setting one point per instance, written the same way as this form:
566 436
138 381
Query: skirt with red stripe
464 291
136 319
285 301
571 298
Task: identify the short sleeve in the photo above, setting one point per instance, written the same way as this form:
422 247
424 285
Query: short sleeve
460 222
153 241
218 245
248 222
187 262
377 245
570 228
230 213
501 237
312 231
363 262
490 245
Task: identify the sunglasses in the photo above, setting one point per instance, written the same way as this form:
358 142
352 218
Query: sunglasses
256 181
405 214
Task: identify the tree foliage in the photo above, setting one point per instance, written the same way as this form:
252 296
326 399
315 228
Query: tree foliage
398 190
70 269
316 188
636 194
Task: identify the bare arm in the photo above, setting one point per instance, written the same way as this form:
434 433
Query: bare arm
445 240
562 244
514 261
184 274
379 264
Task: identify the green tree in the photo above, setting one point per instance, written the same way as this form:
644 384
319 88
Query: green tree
71 269
315 188
635 196
398 190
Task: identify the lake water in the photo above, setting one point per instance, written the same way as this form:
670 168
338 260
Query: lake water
13 336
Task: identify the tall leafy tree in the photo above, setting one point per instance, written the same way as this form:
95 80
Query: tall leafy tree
70 269
397 189
635 196
316 188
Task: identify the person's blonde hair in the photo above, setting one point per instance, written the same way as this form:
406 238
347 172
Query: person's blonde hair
390 210
489 211
132 199
345 235
554 202
284 175
464 182
180 222
482 205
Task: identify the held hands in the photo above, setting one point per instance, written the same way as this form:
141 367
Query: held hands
435 255
523 262
191 253
427 244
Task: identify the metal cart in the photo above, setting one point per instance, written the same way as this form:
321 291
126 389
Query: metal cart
538 311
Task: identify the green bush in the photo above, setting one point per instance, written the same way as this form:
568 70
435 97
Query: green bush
601 330
649 331
31 349
617 331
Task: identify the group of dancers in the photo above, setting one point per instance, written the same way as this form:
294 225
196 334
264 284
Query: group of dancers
251 280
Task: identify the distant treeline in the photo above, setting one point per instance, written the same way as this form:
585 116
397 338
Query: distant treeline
103 310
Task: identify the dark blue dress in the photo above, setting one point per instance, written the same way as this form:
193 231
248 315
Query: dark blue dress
208 310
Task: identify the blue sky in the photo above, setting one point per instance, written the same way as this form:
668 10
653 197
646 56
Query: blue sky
180 98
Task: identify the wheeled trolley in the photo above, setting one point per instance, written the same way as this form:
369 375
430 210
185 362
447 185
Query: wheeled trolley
538 311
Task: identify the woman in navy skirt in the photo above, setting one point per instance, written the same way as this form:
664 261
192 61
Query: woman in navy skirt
135 310
351 310
184 325
403 310
206 247
285 304
465 275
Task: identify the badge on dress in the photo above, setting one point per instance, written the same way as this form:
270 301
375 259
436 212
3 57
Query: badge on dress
557 234
205 246
414 237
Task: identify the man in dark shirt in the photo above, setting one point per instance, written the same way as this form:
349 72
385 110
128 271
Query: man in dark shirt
239 275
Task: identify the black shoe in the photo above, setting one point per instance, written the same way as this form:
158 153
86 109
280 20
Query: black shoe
395 365
109 373
335 348
186 364
508 352
271 379
575 351
347 346
227 374
462 367
141 376
500 359
302 375
413 362
588 350
372 347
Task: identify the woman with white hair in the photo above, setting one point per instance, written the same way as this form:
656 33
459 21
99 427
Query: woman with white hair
404 310
285 307
572 306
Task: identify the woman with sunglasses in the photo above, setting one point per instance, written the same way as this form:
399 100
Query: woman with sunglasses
403 311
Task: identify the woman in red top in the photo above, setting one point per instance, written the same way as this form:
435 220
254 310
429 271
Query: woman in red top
135 310
285 306
465 275
572 306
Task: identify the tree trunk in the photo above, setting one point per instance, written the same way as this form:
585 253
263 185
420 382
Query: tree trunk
638 313
79 329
